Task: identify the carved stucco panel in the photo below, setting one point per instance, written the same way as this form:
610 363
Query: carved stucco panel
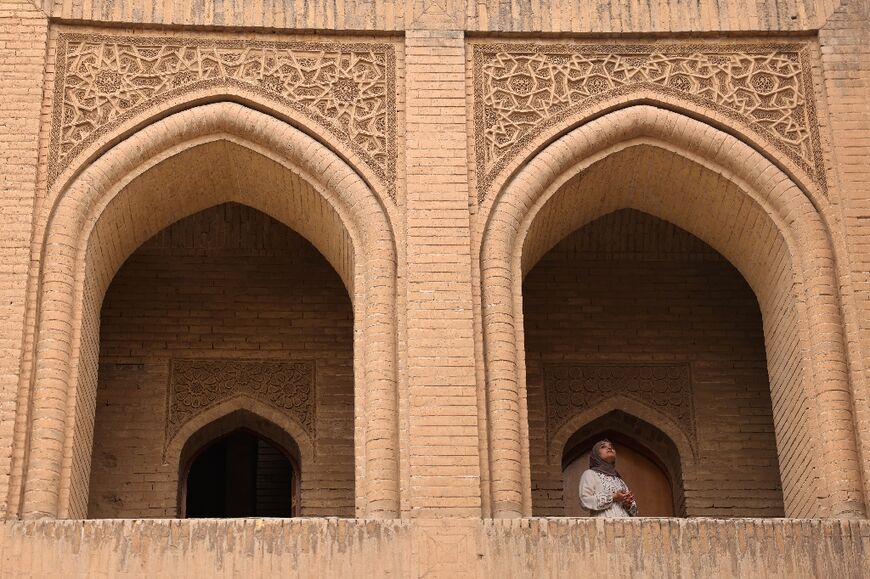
523 89
572 389
347 89
197 385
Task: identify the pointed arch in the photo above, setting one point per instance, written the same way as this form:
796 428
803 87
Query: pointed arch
808 174
255 410
63 170
742 205
145 183
242 413
643 426
685 446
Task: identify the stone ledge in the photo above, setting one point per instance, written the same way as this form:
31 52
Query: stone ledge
536 547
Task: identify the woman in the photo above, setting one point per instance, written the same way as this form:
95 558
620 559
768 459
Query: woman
602 489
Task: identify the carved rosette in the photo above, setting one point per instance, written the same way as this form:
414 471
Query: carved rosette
521 90
198 385
348 90
572 389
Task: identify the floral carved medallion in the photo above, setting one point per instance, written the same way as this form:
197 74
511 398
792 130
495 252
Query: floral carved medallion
198 385
521 90
345 89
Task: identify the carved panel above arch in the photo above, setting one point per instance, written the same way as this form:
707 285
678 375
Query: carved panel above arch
572 389
522 90
198 385
346 89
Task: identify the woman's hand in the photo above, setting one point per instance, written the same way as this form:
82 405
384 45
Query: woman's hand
619 496
628 498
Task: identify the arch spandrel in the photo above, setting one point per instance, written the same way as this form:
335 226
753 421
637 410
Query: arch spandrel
795 310
525 93
70 260
109 86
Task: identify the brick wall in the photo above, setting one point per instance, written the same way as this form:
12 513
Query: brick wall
445 434
629 288
538 548
484 15
23 36
228 282
845 50
444 460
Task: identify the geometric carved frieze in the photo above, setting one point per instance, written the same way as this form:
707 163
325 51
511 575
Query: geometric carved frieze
347 89
571 389
197 385
522 89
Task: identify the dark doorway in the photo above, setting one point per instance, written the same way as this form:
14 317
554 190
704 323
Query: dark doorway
240 475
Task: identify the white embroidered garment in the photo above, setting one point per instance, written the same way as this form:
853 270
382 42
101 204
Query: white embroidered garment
596 495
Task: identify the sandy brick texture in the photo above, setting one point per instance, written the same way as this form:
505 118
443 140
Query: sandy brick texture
468 234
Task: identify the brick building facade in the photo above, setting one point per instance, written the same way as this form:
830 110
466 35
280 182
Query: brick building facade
424 252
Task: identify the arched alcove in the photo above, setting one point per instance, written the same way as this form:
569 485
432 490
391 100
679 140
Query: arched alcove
240 475
224 315
631 314
722 191
173 168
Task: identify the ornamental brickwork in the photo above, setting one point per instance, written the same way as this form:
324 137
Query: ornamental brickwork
572 389
425 251
522 90
197 385
345 89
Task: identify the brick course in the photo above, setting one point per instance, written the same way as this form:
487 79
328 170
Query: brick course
550 16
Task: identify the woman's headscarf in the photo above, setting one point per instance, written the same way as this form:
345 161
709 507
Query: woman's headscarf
597 463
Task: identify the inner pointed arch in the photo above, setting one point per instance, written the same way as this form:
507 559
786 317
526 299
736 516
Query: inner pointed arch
207 173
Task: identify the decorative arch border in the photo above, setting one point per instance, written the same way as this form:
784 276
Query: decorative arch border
125 82
371 282
217 381
805 166
175 445
687 448
505 224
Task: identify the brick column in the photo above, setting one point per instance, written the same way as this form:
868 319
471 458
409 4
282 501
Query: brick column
444 460
23 34
845 47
